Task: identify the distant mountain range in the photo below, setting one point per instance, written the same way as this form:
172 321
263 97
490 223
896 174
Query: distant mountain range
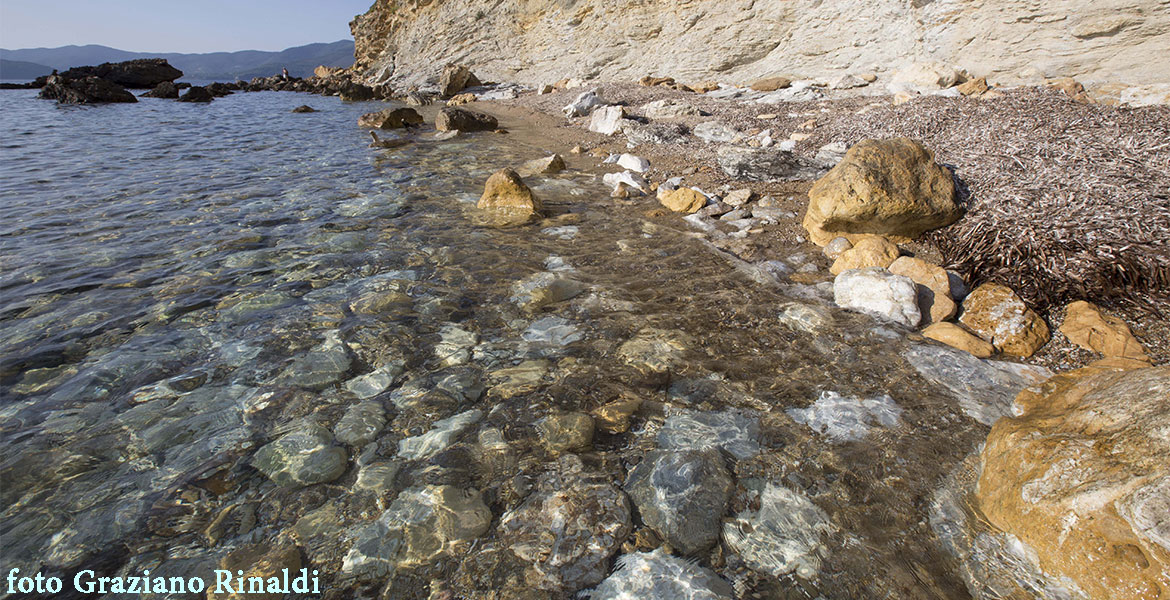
300 61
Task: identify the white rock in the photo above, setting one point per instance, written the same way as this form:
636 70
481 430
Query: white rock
923 78
836 247
633 163
783 536
846 419
879 293
668 108
631 179
714 131
738 197
584 104
607 120
439 437
849 81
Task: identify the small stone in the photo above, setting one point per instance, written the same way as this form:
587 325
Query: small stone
614 417
578 149
770 84
934 287
738 197
459 99
879 293
997 314
783 536
509 200
566 432
583 105
957 337
682 495
304 108
834 249
457 119
439 438
302 457
684 200
548 165
655 350
973 87
377 381
873 251
1086 326
668 108
657 575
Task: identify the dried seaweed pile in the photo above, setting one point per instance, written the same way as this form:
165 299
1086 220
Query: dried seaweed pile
1066 200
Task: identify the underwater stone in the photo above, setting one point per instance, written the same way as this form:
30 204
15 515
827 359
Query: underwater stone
783 536
441 436
682 495
323 365
735 433
985 388
659 576
360 424
552 331
377 381
302 457
455 344
846 419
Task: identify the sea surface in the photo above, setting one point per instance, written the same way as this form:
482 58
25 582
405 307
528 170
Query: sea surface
183 284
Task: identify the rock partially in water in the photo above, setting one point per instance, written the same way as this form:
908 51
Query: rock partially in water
784 536
879 293
322 366
567 529
659 576
85 90
846 419
566 432
391 118
985 388
360 424
957 337
684 200
507 201
197 94
682 496
548 165
542 289
458 119
439 438
735 433
422 525
140 73
304 456
166 89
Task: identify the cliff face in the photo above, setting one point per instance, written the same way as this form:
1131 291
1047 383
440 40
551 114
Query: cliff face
541 41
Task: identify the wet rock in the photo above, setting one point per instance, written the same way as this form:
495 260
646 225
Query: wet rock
1082 476
1086 326
166 89
735 433
543 289
422 525
714 131
508 200
655 350
391 118
985 388
765 164
87 90
567 529
804 317
377 477
461 384
583 104
455 78
682 496
785 535
846 419
566 432
360 424
872 251
377 381
197 94
885 187
455 344
607 120
997 314
258 560
957 337
552 331
878 293
668 108
321 367
934 287
615 416
659 576
442 434
523 378
304 108
684 200
458 119
142 73
653 133
304 456
548 165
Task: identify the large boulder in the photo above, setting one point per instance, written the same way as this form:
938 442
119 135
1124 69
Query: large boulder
998 315
141 73
886 187
166 89
391 118
508 201
457 119
1082 477
456 78
87 90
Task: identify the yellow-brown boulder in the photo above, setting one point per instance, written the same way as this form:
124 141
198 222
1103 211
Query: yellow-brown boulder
872 251
883 187
684 200
1086 326
998 315
934 287
1082 478
957 337
507 200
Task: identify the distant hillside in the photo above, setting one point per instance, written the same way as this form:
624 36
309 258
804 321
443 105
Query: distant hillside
300 61
19 69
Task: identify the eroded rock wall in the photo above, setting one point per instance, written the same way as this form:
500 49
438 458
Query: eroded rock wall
541 41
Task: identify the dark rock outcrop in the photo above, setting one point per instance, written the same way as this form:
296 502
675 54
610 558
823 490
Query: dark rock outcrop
396 118
141 73
166 89
452 119
196 94
304 108
86 90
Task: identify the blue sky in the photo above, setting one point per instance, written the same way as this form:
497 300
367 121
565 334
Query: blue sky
176 26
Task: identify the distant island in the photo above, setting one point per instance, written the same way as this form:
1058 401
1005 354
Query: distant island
300 61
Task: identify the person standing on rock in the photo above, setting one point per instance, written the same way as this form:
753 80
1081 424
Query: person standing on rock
284 73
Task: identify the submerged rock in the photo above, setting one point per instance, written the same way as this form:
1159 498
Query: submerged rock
985 388
360 424
422 525
455 344
566 432
682 495
543 289
320 367
846 419
655 350
439 438
735 433
302 457
659 576
785 535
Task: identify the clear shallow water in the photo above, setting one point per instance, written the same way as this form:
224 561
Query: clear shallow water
182 284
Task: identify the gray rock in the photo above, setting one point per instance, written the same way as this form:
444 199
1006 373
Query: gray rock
836 247
831 154
320 367
659 576
566 432
653 133
735 433
985 389
714 131
552 331
584 104
360 424
439 438
846 419
878 293
422 525
668 108
805 317
542 289
455 344
783 536
377 381
377 477
766 164
682 495
301 457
